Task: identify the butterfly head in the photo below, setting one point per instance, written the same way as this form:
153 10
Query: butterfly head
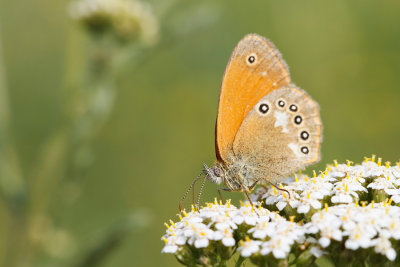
215 174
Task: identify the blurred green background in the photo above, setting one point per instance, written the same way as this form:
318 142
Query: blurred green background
137 163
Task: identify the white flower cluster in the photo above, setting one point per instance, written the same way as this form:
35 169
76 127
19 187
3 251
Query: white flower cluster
127 18
273 235
218 222
341 183
194 228
345 207
368 226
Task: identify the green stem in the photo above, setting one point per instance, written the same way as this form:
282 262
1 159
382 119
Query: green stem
239 261
83 119
12 184
50 165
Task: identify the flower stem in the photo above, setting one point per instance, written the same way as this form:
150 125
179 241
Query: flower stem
239 261
12 184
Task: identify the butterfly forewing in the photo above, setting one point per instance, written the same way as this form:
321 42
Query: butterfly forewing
254 69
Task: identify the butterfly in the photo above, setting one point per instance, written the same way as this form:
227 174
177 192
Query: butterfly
267 127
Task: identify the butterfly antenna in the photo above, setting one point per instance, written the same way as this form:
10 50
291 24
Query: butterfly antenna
188 190
200 192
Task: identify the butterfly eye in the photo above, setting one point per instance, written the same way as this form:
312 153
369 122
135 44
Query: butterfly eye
217 172
293 108
251 59
304 150
298 120
304 135
281 103
263 108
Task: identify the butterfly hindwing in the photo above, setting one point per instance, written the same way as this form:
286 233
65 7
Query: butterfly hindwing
281 134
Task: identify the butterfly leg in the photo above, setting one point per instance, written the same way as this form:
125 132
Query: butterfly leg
246 192
277 187
253 185
244 189
224 189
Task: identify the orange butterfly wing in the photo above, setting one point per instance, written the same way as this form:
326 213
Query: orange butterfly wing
255 68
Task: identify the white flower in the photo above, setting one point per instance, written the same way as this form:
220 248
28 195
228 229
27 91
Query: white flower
394 193
381 183
199 235
281 234
395 171
309 199
226 236
328 233
169 249
172 242
190 218
278 196
384 183
312 190
247 214
249 247
337 174
127 18
345 190
278 245
328 225
393 227
384 247
213 210
281 205
271 226
359 236
263 228
219 215
321 185
342 198
370 169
